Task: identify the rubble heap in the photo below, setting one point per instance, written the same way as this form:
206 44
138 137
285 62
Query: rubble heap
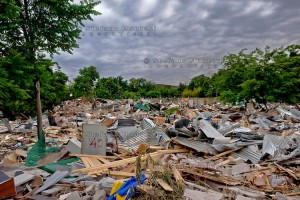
153 150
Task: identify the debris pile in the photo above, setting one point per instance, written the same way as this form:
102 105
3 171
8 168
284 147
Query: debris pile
153 150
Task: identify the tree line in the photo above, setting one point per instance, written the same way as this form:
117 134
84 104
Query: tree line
261 75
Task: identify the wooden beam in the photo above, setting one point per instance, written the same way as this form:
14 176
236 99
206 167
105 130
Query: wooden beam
221 154
164 185
93 156
126 161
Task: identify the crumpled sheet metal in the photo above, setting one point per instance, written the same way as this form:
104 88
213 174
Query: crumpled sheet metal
288 113
147 123
295 112
230 128
229 146
126 132
209 130
150 136
292 155
274 145
196 145
248 154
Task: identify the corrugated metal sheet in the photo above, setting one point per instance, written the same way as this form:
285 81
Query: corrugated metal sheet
248 154
208 130
283 111
196 145
126 132
224 147
227 129
150 136
273 144
147 123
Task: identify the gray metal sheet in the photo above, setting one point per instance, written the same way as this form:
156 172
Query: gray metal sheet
227 129
295 112
228 146
248 154
196 145
209 130
126 132
273 144
150 136
54 178
147 123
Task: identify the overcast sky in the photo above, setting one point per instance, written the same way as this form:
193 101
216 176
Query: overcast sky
172 41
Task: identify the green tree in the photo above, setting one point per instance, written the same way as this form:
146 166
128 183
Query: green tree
111 87
261 75
37 27
85 82
14 82
200 81
181 88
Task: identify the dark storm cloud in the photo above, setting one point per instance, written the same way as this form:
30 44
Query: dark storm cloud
183 29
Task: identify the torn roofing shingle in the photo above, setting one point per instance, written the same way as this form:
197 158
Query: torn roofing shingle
196 145
209 130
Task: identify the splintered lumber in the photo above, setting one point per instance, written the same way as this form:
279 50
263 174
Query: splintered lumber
164 185
224 180
119 173
93 156
290 172
92 170
177 176
142 147
85 161
103 160
221 154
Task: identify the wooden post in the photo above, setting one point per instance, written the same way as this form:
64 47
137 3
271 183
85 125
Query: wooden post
39 110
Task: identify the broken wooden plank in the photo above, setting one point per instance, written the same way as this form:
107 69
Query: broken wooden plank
119 173
142 148
126 161
221 154
93 156
103 160
287 171
177 176
224 180
85 161
164 185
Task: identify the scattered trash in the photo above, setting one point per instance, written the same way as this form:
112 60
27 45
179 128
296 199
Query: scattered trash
152 149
